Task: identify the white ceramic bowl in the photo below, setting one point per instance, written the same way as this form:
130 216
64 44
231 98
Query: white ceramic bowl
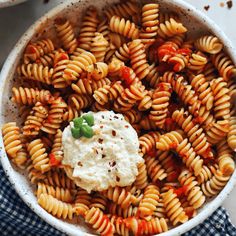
8 3
72 9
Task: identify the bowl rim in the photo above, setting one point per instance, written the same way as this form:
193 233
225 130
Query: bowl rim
9 3
6 70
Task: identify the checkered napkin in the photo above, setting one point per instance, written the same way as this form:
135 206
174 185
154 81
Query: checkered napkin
17 219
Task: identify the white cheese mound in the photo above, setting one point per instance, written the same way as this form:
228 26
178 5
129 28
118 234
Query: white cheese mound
108 159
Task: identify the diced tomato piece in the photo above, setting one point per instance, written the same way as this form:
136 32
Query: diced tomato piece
181 191
125 75
53 160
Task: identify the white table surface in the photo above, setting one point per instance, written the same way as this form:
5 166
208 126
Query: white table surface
15 20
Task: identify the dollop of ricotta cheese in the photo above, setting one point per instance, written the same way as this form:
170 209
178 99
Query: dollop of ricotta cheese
108 159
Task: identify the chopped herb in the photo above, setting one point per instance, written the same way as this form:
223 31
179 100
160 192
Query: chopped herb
89 119
87 131
76 132
109 170
78 121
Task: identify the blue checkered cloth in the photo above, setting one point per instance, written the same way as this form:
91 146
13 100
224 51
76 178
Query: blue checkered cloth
16 218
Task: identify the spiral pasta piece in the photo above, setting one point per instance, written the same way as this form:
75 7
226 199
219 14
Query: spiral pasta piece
185 92
55 207
160 103
224 65
58 178
197 61
116 41
36 72
193 192
56 192
225 158
173 207
38 155
214 185
193 131
79 101
47 59
35 50
22 155
217 131
99 71
148 141
78 64
155 169
209 44
138 58
115 209
122 53
61 61
57 150
120 196
103 28
153 76
169 140
87 87
99 46
147 124
34 120
71 113
142 179
101 95
231 137
132 116
129 97
120 226
150 22
203 89
55 116
149 201
34 175
170 28
178 61
206 173
99 201
221 98
65 33
11 139
116 67
189 157
143 227
88 28
99 221
166 160
124 27
146 102
124 9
